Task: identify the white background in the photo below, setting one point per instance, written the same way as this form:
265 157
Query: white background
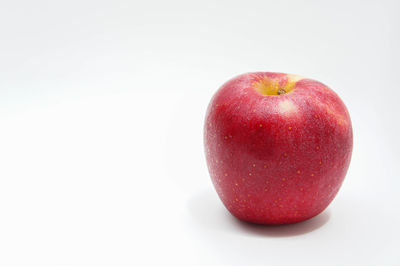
101 114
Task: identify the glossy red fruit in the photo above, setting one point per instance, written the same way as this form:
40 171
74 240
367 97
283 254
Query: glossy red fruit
278 146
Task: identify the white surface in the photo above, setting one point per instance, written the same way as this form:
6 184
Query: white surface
101 114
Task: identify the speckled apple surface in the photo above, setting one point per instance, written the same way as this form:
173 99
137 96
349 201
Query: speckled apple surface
278 146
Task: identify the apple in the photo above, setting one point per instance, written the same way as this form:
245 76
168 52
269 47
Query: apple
277 145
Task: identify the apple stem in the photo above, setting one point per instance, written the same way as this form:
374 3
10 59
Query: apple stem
281 91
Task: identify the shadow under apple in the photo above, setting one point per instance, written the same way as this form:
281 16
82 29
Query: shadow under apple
207 211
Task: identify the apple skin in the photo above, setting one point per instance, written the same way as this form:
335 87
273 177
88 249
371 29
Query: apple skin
277 159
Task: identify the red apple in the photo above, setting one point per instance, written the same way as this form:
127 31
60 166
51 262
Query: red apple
278 146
